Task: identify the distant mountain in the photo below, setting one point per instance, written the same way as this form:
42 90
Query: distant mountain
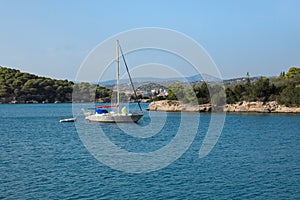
202 77
234 81
190 79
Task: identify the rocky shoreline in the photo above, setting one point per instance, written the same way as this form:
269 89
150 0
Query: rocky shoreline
256 107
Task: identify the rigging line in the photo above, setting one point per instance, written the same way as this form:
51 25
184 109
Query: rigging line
130 78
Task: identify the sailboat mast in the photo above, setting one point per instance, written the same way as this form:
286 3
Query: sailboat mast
118 74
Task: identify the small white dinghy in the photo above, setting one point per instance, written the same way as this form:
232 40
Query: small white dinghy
68 120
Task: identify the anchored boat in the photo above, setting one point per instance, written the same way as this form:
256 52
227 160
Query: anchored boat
68 120
122 116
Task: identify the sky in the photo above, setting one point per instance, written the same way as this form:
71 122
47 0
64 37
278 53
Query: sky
53 37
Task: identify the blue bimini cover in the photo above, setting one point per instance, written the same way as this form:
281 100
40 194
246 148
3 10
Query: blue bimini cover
101 111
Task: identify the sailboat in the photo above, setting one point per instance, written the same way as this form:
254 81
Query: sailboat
102 115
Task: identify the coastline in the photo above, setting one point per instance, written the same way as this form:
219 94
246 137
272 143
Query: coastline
254 107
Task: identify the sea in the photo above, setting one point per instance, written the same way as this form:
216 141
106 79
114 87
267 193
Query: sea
255 156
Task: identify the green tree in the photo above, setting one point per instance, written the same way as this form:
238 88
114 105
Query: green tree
290 96
3 91
230 95
175 92
262 90
202 93
190 96
240 92
293 71
171 94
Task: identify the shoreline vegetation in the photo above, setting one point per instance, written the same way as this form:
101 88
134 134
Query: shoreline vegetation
276 94
266 95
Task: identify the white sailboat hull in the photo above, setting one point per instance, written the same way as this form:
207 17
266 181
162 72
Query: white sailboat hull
114 118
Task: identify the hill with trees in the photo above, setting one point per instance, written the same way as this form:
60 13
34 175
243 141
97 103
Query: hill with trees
20 87
285 89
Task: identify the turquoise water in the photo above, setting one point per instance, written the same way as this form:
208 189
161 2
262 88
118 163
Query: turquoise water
257 157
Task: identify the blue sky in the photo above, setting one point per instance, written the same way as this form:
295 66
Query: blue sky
52 37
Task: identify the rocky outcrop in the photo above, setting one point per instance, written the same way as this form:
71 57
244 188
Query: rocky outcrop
177 106
165 105
258 107
248 107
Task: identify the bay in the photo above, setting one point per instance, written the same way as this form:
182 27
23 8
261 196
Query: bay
257 157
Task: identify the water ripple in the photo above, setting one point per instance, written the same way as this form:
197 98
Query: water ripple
256 157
